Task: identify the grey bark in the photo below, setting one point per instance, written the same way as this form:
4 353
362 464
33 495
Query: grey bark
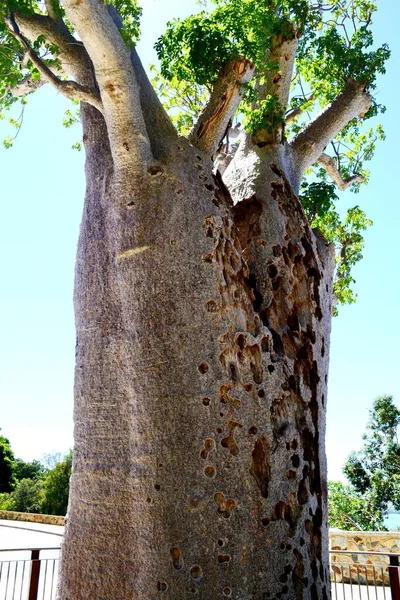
199 418
203 319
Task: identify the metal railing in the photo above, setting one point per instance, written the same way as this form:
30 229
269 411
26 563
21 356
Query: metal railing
354 575
363 575
29 574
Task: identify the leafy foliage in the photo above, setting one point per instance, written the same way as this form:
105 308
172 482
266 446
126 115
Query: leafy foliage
36 487
27 496
183 100
28 470
7 476
349 510
194 49
56 488
268 115
373 473
375 468
319 202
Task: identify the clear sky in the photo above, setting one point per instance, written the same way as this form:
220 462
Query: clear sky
42 192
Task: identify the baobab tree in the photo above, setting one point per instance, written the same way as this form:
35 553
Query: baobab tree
203 300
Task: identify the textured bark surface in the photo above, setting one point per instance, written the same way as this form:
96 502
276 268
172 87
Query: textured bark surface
203 309
202 353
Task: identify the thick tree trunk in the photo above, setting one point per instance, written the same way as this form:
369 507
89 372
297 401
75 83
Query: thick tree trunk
202 354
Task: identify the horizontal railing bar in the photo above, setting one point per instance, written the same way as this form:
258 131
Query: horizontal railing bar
33 529
349 565
17 560
27 549
363 552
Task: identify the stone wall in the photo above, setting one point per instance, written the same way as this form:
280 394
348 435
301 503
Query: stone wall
367 567
9 515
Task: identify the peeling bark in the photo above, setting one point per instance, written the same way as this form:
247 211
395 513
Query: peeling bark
225 98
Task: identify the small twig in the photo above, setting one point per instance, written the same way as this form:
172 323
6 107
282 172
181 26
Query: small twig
330 167
293 114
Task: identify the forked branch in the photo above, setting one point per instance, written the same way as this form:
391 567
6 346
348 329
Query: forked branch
225 98
69 89
74 59
330 167
310 143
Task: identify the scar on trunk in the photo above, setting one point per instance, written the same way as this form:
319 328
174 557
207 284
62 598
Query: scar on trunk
177 559
260 466
132 252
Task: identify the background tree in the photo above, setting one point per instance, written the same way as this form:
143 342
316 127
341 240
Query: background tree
7 466
27 496
351 510
203 305
56 488
374 470
39 488
28 470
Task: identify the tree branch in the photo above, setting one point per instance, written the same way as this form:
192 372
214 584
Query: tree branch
225 98
330 167
70 89
116 80
51 10
310 143
278 77
159 126
74 59
275 81
296 112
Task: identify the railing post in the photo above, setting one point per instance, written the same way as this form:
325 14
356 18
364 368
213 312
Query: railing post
35 572
394 576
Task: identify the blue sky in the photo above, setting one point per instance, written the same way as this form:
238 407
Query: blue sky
43 188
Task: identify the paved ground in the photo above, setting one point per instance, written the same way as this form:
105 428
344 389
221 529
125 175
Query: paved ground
362 592
19 534
16 538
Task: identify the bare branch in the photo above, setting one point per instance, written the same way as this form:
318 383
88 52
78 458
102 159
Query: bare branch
225 98
296 112
330 167
310 143
158 124
116 80
70 89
